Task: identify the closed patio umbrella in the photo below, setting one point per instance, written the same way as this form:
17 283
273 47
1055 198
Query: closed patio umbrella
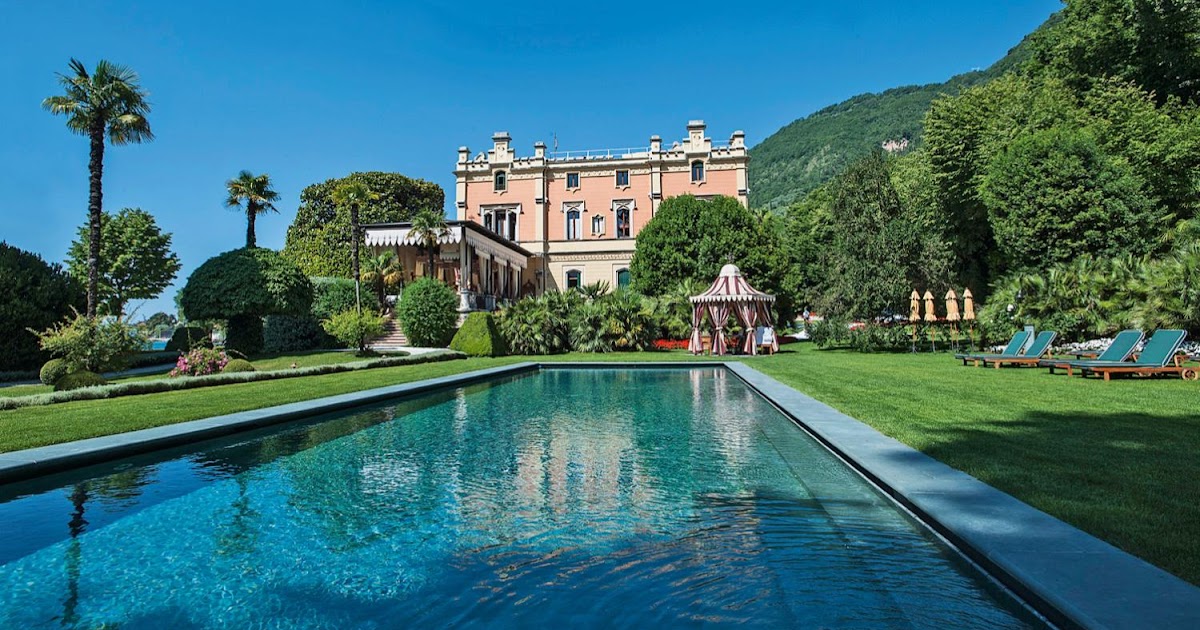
914 306
968 306
952 306
931 318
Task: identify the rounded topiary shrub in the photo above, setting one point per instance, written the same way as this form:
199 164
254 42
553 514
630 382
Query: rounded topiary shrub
52 371
238 365
188 337
479 337
428 312
75 380
294 333
245 335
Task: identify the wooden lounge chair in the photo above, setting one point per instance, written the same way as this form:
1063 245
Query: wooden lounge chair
1033 356
1159 356
764 338
1012 350
1117 351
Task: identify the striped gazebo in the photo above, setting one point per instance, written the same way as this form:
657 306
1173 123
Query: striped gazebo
730 292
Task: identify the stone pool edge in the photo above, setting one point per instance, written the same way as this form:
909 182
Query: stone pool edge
1072 577
44 460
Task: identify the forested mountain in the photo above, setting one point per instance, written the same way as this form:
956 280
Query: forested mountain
812 150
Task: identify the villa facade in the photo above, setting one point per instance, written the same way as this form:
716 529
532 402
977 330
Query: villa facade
557 220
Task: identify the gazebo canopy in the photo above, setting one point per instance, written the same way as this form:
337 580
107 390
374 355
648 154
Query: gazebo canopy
730 286
730 294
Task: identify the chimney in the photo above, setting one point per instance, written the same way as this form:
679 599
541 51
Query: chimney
737 140
655 144
539 149
464 155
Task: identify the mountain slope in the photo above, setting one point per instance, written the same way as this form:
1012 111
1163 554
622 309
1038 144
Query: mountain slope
812 150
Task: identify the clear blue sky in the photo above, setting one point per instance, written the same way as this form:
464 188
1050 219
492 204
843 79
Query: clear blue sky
309 91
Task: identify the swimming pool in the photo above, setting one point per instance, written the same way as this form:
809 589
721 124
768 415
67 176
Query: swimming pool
592 497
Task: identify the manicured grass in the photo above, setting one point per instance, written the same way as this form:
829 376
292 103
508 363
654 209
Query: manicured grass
1117 459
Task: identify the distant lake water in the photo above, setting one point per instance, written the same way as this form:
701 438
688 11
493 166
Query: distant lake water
157 344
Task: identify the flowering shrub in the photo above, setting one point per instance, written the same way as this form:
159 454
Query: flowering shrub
200 362
670 344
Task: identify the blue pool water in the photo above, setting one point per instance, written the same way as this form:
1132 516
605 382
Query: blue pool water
672 498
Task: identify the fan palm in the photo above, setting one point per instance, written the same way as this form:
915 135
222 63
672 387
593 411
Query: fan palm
107 102
382 271
352 196
429 227
254 193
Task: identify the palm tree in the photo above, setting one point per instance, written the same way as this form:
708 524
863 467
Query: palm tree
254 192
429 227
107 102
381 272
353 196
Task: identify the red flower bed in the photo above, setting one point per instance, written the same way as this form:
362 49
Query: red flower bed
671 344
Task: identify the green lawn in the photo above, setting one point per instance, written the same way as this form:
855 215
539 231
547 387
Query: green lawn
269 362
1119 459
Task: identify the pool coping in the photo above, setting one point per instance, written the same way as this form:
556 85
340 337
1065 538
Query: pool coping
45 460
1071 577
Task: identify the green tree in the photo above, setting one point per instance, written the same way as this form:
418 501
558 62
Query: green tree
136 261
429 226
353 196
428 312
319 238
242 286
382 272
252 194
1055 195
33 295
878 250
106 103
353 327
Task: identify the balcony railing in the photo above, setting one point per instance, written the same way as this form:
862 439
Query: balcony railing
598 154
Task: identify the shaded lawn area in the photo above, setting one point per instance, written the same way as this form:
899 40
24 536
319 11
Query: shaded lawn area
269 362
1119 460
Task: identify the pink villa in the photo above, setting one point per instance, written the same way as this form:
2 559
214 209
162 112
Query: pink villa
557 220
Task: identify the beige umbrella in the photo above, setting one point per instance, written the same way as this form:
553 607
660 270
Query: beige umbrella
914 303
952 306
930 313
968 305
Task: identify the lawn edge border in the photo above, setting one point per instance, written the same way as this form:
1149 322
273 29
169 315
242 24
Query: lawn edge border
1072 577
43 460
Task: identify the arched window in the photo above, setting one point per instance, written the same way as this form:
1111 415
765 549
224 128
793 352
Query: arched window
574 279
623 227
622 278
697 171
512 226
500 180
573 225
598 225
487 220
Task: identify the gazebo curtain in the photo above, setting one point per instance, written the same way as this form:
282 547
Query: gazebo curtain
695 346
747 313
718 312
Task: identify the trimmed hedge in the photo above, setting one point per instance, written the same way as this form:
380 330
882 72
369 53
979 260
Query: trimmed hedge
187 337
428 312
133 388
237 365
8 377
53 371
78 380
479 337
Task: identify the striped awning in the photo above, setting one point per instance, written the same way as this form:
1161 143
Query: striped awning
403 235
730 286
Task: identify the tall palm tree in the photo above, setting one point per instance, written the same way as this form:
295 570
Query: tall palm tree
353 196
429 227
106 102
254 193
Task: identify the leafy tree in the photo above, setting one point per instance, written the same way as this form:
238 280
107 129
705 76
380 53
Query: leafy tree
1149 42
689 238
242 286
878 251
319 238
429 227
136 261
106 103
354 327
93 344
159 324
428 312
1055 195
33 295
252 194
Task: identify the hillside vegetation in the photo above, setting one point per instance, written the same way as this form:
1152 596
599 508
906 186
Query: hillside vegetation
812 150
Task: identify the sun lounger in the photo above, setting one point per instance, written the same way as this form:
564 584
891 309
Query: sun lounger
1118 351
1033 356
1159 356
1012 350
